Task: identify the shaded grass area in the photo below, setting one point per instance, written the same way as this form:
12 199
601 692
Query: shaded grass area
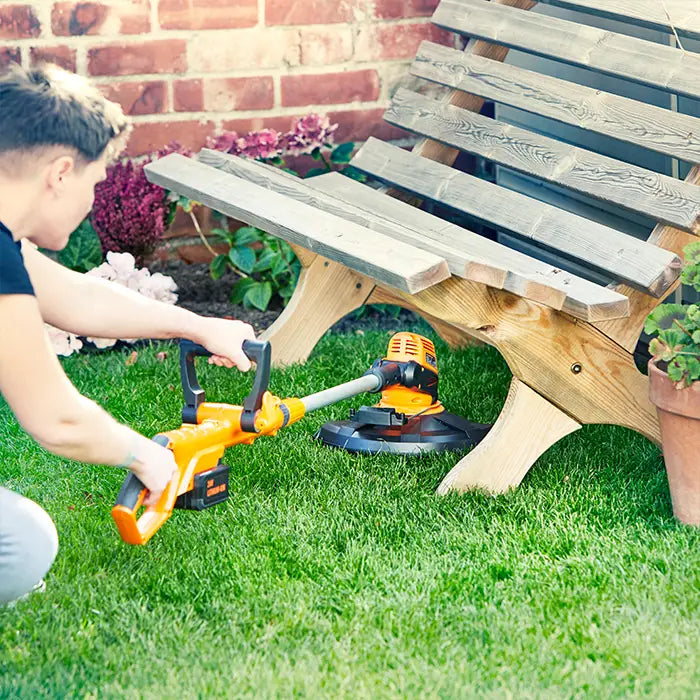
331 575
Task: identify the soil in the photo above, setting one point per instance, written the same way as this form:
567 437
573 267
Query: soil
198 292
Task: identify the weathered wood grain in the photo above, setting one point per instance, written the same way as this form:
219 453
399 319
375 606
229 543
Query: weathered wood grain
466 100
542 347
469 255
365 251
627 333
645 266
684 14
642 61
658 196
657 129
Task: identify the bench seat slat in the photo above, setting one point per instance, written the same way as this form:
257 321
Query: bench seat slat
469 255
645 266
655 128
685 14
658 196
607 52
396 263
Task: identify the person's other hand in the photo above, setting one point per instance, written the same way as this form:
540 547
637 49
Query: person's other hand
155 466
224 340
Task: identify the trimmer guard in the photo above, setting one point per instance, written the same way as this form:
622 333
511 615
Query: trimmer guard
373 430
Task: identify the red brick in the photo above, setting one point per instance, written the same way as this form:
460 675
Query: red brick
396 41
207 14
87 18
255 49
330 88
228 94
151 136
138 98
359 125
60 55
9 55
165 56
310 11
324 47
188 96
400 9
18 22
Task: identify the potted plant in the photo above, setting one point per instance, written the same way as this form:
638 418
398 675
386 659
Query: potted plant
674 387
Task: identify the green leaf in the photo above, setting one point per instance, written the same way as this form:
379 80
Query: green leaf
217 266
354 174
279 265
223 235
343 153
259 295
239 289
243 258
316 171
187 204
663 317
248 234
84 250
266 260
316 153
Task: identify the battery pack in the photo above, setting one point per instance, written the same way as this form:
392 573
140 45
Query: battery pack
210 488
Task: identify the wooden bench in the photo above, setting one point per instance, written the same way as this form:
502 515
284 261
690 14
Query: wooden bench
568 341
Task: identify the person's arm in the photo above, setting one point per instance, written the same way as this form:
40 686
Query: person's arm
55 414
90 306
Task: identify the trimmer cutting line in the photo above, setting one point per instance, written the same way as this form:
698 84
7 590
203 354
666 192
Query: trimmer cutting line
409 419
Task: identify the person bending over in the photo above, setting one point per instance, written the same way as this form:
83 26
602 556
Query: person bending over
57 135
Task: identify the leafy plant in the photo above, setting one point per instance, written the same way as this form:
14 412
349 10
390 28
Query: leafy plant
676 328
84 250
267 266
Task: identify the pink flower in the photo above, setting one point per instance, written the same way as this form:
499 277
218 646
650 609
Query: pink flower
308 133
223 142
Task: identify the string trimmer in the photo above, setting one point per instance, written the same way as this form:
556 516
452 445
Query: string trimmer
408 419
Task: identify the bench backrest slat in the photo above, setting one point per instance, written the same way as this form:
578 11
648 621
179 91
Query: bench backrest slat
658 196
622 257
655 128
641 61
684 14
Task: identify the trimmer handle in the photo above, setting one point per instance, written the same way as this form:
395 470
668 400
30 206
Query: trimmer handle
193 392
130 499
257 351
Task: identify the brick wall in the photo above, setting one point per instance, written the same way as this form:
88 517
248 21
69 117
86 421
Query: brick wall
185 69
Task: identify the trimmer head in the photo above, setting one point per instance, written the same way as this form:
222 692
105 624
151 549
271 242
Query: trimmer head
409 419
374 430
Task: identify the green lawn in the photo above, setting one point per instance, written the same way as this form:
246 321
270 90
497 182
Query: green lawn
329 575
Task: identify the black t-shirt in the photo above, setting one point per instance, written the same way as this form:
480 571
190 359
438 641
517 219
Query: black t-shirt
14 278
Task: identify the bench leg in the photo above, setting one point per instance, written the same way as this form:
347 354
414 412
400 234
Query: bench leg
326 291
501 460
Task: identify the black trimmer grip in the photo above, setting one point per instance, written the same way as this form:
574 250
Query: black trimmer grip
259 352
130 492
193 392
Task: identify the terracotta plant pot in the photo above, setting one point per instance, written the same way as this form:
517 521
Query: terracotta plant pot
679 418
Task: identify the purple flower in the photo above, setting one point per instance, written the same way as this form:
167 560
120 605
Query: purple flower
308 133
259 144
